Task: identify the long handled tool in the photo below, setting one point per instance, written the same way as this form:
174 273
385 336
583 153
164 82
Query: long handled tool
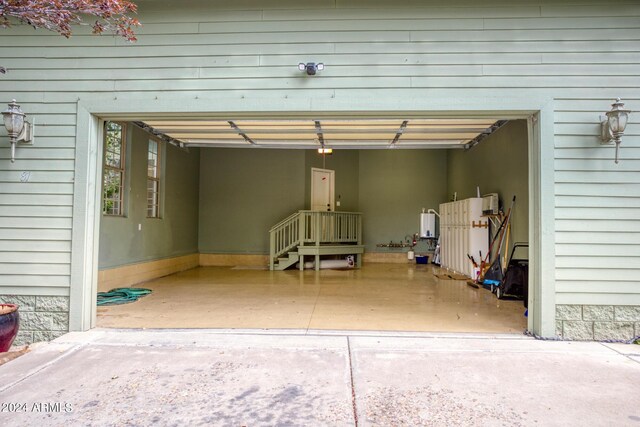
506 245
484 262
495 273
499 231
473 261
473 283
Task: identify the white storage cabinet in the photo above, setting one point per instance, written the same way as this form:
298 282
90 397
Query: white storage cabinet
463 231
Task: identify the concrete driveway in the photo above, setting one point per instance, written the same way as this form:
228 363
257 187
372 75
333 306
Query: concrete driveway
254 378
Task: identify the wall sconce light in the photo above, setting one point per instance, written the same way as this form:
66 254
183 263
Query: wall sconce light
613 125
18 128
311 67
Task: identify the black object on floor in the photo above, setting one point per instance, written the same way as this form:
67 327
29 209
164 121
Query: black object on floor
516 278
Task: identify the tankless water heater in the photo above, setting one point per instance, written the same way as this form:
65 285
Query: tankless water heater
427 225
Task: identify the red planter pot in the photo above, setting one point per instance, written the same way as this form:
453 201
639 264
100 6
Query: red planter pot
9 324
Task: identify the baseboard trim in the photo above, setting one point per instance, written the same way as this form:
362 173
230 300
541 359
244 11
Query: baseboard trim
383 257
133 274
230 260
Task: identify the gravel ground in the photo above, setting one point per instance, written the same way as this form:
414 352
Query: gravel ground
424 406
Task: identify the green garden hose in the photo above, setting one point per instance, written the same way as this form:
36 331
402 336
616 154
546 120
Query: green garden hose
121 296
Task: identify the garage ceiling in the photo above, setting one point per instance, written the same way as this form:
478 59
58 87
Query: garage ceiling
305 133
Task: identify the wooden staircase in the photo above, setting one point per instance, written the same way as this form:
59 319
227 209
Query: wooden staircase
314 233
285 262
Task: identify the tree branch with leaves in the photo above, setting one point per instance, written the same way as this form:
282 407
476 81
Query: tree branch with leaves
113 16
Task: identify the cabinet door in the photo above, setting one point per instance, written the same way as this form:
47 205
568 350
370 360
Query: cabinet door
475 209
443 234
479 236
459 240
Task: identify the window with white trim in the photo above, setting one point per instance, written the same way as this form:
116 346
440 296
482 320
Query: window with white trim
114 169
153 179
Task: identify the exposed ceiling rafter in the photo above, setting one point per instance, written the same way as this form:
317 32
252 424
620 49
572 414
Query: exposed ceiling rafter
403 126
160 135
242 134
475 141
319 133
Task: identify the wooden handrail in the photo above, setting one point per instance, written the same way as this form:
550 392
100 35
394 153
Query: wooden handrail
332 212
289 218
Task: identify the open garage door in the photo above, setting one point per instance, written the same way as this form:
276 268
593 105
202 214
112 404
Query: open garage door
217 187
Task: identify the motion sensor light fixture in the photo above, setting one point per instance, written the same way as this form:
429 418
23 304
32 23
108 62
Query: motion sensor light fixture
18 128
613 125
311 67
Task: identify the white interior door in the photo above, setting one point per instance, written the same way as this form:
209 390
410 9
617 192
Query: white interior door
322 189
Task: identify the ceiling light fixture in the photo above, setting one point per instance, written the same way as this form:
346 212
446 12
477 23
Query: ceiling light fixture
613 125
324 150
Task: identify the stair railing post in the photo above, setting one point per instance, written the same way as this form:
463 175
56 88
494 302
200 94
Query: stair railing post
301 228
359 221
272 249
316 225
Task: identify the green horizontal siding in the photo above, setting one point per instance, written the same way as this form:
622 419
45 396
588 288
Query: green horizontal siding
44 279
580 53
30 246
37 257
603 250
36 290
595 201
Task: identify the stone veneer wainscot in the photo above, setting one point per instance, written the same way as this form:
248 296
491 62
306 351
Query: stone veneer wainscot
598 322
42 318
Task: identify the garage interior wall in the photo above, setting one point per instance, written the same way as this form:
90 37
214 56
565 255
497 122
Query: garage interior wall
394 187
224 200
244 192
175 233
499 164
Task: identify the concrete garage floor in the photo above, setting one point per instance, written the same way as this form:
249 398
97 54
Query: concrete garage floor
107 377
385 297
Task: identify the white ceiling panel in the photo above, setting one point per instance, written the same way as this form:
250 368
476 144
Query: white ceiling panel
306 133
